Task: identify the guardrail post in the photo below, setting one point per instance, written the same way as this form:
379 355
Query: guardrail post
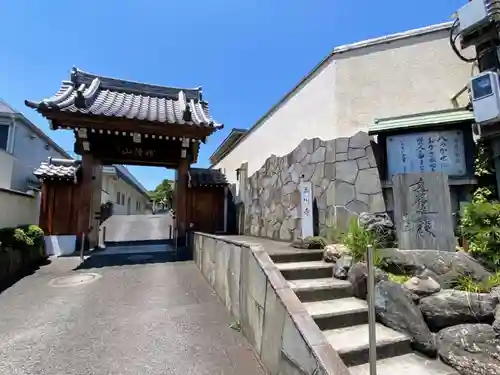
371 312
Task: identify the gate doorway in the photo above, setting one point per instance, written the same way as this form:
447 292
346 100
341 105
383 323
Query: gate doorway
124 122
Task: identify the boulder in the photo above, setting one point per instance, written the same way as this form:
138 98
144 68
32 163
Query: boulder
395 309
381 225
450 307
342 266
471 349
357 276
422 286
496 322
443 266
333 252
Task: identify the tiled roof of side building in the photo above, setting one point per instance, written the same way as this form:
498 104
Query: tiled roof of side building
58 169
206 177
94 95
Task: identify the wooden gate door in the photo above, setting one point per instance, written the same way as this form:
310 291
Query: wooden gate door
205 215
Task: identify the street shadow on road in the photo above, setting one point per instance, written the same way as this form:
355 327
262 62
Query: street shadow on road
114 260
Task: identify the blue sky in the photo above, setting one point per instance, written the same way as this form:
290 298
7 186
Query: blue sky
245 54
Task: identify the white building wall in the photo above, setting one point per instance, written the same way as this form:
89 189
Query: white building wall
350 90
111 185
7 162
29 151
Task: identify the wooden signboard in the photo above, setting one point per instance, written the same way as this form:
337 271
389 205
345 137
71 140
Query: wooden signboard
422 211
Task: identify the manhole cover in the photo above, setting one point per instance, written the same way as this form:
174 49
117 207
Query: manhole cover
139 257
74 280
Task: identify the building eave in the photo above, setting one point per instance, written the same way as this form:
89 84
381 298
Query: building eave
226 145
420 120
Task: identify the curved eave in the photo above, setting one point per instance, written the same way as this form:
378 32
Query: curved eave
47 111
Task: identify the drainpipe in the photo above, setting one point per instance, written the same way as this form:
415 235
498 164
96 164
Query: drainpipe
225 209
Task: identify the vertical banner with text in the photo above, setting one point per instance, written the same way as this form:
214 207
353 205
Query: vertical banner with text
306 208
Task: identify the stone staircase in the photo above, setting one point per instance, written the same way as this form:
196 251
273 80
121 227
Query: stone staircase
344 319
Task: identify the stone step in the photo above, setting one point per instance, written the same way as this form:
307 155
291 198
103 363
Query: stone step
297 256
338 313
305 270
351 343
407 364
311 290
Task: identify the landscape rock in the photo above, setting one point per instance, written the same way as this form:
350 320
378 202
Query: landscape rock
471 349
444 266
451 307
357 276
308 243
333 252
496 322
422 286
380 224
342 267
396 310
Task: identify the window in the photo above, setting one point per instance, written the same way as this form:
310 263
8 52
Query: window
118 197
123 199
4 137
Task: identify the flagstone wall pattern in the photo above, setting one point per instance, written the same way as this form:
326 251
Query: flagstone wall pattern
345 181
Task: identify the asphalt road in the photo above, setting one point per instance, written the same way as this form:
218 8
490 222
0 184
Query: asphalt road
157 318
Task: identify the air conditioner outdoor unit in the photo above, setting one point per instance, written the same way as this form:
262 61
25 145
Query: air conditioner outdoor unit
485 94
477 14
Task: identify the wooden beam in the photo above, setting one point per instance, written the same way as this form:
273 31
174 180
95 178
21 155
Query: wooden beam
76 120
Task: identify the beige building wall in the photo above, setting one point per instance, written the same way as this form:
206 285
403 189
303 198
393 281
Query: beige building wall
405 73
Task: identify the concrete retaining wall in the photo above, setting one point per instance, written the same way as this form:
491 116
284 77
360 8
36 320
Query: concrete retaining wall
272 318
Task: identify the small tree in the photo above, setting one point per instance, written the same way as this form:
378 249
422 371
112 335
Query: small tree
162 193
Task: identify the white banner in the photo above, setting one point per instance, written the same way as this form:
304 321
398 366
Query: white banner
306 207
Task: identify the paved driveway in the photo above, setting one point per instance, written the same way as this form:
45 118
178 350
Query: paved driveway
124 228
157 318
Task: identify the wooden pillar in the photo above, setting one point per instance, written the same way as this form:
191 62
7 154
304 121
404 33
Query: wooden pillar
85 196
95 204
181 209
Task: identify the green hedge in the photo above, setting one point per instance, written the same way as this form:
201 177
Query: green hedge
20 248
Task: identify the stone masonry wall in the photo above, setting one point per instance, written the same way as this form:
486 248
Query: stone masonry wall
344 177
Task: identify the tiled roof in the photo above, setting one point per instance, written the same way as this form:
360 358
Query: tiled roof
102 96
58 169
206 177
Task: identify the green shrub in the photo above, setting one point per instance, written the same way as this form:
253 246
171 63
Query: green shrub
468 284
357 240
35 233
334 235
480 225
